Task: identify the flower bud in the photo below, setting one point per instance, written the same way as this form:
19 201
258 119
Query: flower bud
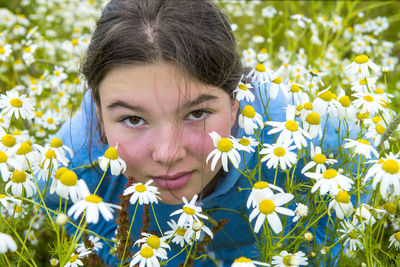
61 219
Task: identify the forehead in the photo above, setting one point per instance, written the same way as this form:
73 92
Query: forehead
157 83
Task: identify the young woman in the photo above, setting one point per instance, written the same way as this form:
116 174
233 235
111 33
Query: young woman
161 75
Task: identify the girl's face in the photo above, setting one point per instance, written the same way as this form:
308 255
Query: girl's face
161 121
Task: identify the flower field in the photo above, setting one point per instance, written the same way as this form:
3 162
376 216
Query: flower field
332 65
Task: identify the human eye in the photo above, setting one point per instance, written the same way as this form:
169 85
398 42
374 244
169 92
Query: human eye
133 121
197 115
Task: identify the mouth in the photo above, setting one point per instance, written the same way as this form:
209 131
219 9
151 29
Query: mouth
172 182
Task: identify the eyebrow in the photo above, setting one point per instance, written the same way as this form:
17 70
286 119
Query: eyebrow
198 100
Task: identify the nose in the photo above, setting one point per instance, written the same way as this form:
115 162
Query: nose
168 145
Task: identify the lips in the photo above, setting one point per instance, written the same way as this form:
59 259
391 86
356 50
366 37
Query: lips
172 182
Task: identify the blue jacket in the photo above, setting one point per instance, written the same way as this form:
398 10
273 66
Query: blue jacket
234 241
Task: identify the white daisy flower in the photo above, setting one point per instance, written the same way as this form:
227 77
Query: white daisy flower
94 244
316 76
352 233
53 262
158 244
7 201
75 259
48 160
246 143
386 172
93 205
395 240
362 147
4 170
363 215
259 74
260 191
14 105
279 154
21 182
276 83
177 233
269 209
342 205
312 124
329 181
146 256
243 92
246 262
250 120
289 129
144 193
225 149
318 159
345 109
301 211
366 102
189 213
326 102
111 158
24 156
69 185
8 141
7 243
285 259
198 231
5 51
360 65
364 85
60 149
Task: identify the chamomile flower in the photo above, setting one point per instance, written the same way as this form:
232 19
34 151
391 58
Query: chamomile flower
7 201
144 193
345 109
60 149
276 83
177 233
259 74
189 213
260 191
93 205
329 181
24 156
53 262
14 105
312 125
198 230
360 65
4 170
301 211
395 240
94 244
279 154
49 160
21 182
75 259
158 244
289 129
111 158
69 186
386 172
352 233
246 262
7 243
361 147
342 205
225 149
326 102
367 102
250 120
269 209
363 215
285 259
8 141
246 143
317 159
243 92
145 257
5 51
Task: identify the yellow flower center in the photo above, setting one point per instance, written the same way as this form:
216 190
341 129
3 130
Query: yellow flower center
56 143
361 59
299 107
74 42
343 197
380 129
60 172
93 199
69 178
264 50
16 102
313 118
140 188
294 88
267 206
261 185
18 209
111 153
50 154
146 252
50 120
329 174
243 87
363 141
278 80
18 177
368 98
189 211
38 114
292 125
391 166
2 50
8 140
390 207
363 116
376 119
320 159
378 91
181 231
248 111
244 141
73 258
154 242
2 196
308 106
225 145
24 149
243 259
345 101
3 157
260 68
27 49
363 81
326 96
279 152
